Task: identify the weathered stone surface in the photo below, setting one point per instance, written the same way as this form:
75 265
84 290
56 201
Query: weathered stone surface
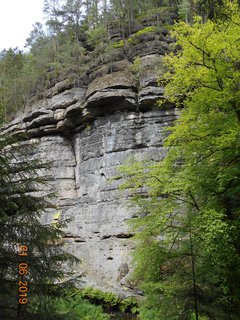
17 125
73 110
147 48
82 170
87 133
59 151
59 87
110 100
41 120
59 114
42 104
151 68
66 98
49 129
117 80
149 96
68 108
113 65
35 114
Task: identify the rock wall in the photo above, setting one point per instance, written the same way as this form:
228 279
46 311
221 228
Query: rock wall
88 131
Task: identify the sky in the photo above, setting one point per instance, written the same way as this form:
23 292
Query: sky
16 20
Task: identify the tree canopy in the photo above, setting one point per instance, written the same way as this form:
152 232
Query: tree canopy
188 257
74 33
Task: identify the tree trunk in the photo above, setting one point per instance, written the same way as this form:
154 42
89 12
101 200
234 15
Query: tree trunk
193 273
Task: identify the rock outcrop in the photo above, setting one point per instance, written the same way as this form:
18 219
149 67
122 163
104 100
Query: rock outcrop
88 131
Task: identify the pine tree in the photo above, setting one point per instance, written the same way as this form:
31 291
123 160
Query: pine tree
11 65
30 257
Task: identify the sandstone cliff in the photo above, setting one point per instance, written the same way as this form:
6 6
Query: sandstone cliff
88 129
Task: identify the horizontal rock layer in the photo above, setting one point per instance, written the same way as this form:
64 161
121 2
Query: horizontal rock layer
120 84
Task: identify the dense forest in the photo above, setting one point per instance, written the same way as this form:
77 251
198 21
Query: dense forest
76 32
187 261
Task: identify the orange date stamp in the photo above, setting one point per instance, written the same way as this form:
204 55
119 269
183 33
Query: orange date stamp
22 271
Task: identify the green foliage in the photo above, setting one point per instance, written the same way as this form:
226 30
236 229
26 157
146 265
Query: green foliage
186 10
70 306
109 300
136 69
97 35
159 13
187 260
21 210
145 30
74 31
136 38
11 68
119 44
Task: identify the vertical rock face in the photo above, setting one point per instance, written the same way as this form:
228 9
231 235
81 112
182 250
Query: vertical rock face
82 167
99 233
87 132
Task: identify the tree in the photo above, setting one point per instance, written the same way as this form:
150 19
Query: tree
73 11
30 257
188 257
125 11
11 64
53 12
209 9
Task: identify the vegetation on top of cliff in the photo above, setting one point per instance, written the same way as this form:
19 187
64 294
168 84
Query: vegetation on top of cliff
188 257
75 33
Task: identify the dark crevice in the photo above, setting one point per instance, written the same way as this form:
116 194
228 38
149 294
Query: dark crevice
75 160
105 237
124 235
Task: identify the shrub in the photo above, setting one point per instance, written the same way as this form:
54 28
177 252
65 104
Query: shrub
119 44
73 307
135 38
109 300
